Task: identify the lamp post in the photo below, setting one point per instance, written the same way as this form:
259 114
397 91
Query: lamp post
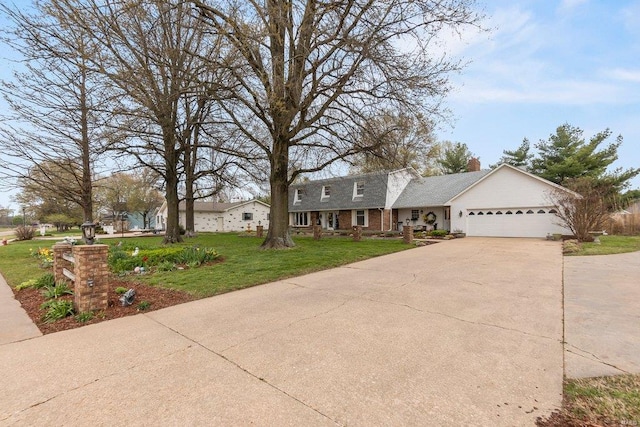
88 232
408 220
24 218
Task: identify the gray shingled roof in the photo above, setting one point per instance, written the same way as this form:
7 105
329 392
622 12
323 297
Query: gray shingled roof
375 193
209 206
436 190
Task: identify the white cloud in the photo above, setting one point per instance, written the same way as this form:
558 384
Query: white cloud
567 5
626 75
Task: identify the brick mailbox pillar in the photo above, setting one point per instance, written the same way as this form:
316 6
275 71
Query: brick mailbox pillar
407 234
60 263
91 282
357 233
259 230
317 232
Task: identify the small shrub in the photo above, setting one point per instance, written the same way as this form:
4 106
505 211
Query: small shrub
57 309
570 247
84 317
28 284
438 233
56 291
144 305
166 266
121 290
45 280
195 256
24 232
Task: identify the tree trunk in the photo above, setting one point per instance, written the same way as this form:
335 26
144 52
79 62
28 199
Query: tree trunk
86 186
189 222
278 236
172 233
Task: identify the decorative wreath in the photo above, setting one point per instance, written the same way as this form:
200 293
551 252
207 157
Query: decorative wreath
430 218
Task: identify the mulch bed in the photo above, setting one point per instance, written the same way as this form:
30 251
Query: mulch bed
157 297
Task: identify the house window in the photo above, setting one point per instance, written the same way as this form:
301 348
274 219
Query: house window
326 191
499 213
519 213
541 211
361 218
247 216
301 219
414 214
298 195
358 189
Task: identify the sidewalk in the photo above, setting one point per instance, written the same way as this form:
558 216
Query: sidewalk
15 324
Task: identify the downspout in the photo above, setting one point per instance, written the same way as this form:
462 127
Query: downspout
381 219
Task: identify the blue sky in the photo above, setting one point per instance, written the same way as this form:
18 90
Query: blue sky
544 63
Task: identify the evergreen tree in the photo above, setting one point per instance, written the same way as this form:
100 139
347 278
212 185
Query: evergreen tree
520 157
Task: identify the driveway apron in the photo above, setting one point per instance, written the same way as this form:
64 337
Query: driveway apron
465 332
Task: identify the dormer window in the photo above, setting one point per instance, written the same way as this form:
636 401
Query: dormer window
358 189
297 198
326 192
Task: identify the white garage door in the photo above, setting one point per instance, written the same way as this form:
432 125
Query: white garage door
518 222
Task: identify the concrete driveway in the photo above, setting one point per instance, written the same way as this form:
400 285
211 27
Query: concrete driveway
602 315
466 332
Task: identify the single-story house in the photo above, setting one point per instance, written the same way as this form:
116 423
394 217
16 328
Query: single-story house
504 202
213 216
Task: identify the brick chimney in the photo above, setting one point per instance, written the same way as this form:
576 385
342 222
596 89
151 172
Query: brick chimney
473 165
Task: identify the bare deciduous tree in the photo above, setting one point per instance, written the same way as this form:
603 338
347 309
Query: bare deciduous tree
584 208
402 141
309 75
53 137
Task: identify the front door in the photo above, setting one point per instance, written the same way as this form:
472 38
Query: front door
331 221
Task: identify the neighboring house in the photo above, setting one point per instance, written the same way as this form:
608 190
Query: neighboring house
340 203
136 221
210 216
503 202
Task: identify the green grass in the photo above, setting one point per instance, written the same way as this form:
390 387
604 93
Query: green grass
615 398
16 263
610 245
243 263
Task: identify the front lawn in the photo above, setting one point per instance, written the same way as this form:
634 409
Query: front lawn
610 245
243 263
599 401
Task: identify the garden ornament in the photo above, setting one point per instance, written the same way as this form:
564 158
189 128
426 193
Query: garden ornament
127 298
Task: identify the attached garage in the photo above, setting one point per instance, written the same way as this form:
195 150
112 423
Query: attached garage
513 222
502 202
508 202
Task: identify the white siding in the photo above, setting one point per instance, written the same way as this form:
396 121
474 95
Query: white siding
506 189
396 183
232 219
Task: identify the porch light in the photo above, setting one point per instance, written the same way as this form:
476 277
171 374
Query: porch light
460 214
88 232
